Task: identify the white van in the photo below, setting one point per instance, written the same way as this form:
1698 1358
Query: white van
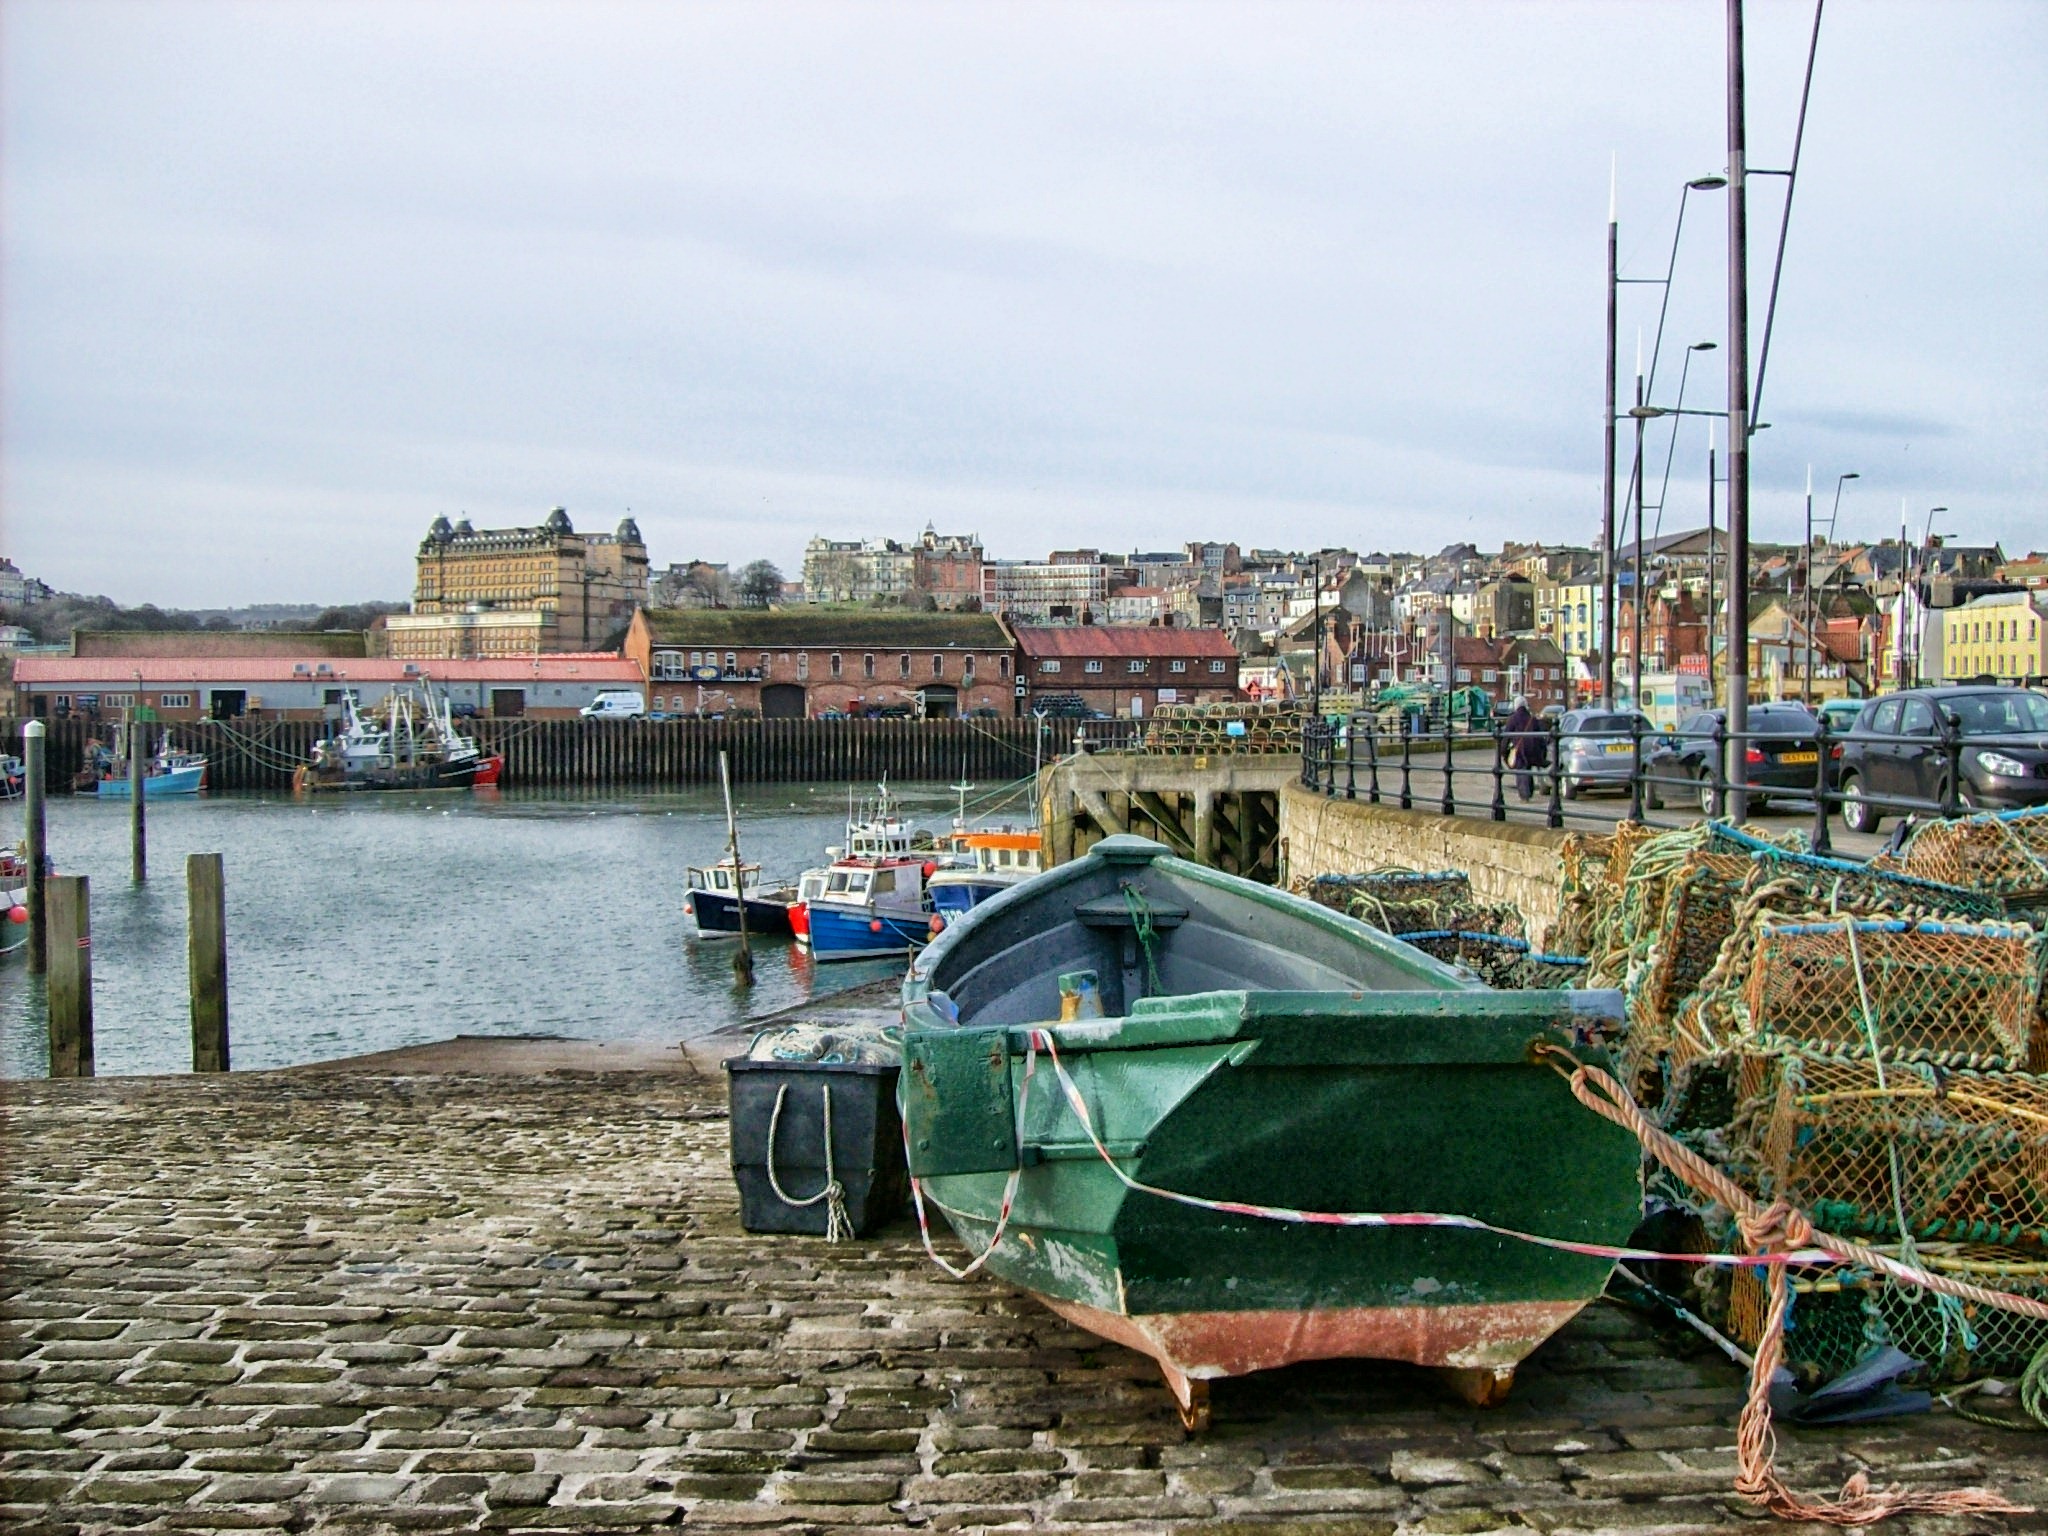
616 704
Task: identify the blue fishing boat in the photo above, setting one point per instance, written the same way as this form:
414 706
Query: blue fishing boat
863 907
170 772
986 863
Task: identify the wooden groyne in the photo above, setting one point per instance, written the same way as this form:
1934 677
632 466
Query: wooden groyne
253 754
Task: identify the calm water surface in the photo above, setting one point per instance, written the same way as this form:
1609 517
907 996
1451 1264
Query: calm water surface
378 921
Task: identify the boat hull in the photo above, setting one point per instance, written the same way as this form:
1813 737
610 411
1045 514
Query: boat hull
860 933
413 776
716 915
1414 1094
180 781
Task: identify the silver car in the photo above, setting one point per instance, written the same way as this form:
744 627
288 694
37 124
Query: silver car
1596 748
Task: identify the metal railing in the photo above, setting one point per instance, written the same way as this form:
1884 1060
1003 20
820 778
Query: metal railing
1356 758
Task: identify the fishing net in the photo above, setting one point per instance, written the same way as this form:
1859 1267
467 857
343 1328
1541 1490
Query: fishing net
1960 1340
1698 918
1874 1150
2005 854
1395 900
1830 1327
1437 913
1583 861
1837 885
1955 994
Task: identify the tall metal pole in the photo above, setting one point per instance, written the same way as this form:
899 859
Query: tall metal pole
1635 644
1710 564
1605 639
1738 425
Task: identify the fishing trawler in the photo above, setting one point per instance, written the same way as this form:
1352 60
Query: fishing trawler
408 742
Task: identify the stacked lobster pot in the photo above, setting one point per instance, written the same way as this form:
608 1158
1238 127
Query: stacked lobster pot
1437 913
1863 1042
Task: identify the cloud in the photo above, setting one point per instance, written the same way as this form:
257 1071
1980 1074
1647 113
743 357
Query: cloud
281 284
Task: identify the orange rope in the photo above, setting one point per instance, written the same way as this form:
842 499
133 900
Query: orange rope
1781 1228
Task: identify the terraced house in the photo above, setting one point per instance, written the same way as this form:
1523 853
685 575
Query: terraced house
789 663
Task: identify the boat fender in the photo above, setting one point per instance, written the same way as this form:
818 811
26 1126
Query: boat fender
931 867
874 925
937 925
17 915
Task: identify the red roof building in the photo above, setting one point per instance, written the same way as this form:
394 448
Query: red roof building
306 687
1125 670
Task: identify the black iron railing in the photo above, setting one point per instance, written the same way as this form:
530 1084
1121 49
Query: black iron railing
1723 773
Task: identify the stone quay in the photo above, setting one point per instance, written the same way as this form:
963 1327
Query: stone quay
381 1299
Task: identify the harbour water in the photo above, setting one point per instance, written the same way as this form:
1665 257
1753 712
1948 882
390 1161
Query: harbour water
366 923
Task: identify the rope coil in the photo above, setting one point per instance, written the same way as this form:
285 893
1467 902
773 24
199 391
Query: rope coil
838 1226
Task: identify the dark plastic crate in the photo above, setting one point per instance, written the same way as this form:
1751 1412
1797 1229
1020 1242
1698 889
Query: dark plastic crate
867 1142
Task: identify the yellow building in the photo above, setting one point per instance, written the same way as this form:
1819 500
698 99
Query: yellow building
478 591
1999 636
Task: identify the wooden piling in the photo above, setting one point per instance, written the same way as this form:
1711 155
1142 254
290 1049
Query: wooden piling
35 841
70 984
207 947
138 776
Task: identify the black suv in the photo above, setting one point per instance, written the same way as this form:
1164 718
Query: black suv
1782 753
1895 750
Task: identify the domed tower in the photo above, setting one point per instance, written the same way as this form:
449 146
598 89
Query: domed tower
558 521
438 533
629 532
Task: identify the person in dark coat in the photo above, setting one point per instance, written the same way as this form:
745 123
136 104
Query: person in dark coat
1531 748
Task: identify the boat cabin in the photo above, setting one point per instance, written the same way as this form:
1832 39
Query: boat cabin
1001 853
894 885
719 877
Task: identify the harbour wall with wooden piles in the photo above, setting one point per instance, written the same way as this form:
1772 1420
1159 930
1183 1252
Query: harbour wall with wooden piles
633 754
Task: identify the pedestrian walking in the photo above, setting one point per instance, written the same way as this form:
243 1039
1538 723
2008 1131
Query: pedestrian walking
1530 750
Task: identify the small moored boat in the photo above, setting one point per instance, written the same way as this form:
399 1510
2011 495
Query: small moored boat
712 898
169 772
1233 1130
992 861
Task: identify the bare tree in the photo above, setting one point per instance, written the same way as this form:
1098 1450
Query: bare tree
760 584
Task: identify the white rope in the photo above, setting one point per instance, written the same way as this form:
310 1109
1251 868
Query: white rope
838 1226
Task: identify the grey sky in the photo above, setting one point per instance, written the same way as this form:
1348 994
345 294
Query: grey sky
284 282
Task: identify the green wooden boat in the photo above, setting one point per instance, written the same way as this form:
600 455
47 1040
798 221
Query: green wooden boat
1254 1049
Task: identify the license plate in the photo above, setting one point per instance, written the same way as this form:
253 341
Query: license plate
1622 747
1799 757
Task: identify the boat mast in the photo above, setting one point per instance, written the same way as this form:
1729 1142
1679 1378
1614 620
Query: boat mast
743 957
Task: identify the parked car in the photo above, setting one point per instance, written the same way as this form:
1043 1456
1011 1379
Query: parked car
1895 751
1842 714
1782 753
1596 748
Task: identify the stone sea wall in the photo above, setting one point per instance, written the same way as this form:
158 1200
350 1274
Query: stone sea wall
1507 862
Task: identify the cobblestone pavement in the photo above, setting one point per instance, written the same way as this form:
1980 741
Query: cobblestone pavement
458 1303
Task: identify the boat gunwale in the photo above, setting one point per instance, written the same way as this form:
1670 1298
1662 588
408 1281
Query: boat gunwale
1142 853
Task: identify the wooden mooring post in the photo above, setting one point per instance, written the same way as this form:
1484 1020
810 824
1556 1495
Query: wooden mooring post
138 776
35 841
70 985
207 944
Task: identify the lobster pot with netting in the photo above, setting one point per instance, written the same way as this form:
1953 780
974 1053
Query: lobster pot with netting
1861 1147
2005 854
1962 1340
1953 994
802 1130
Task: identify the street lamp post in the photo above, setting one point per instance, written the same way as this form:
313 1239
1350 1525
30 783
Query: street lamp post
1738 426
1607 529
